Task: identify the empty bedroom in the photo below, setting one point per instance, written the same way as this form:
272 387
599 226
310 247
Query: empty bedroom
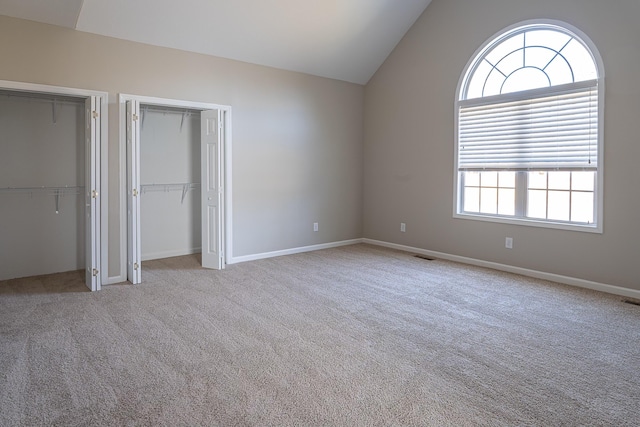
319 213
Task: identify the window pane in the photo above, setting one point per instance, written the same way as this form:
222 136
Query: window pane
489 200
584 68
552 39
511 62
537 204
582 207
507 179
472 200
477 81
559 180
489 179
558 205
505 48
559 71
506 201
537 180
525 79
538 57
584 181
493 84
472 179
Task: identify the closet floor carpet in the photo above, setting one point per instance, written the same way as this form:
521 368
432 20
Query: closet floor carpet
351 336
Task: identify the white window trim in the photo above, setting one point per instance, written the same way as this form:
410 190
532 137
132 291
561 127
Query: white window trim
598 214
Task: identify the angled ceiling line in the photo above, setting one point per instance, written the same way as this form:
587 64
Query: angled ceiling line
346 40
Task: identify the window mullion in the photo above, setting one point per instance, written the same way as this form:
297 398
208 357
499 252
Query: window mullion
546 201
571 196
461 188
521 194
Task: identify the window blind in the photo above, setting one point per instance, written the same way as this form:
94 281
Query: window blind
549 130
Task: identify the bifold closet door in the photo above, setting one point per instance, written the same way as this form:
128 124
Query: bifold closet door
134 257
211 185
212 131
92 193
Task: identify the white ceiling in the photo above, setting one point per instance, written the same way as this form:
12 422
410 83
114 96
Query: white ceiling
341 39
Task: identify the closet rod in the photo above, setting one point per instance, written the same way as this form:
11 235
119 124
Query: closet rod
55 101
144 109
169 110
56 192
35 97
42 190
185 187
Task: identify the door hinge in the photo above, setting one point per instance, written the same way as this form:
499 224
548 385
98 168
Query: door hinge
95 272
135 266
95 114
94 194
135 117
134 192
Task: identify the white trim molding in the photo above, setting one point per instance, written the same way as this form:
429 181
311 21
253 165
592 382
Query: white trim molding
292 251
170 254
566 280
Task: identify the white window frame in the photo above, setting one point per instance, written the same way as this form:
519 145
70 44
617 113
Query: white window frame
597 226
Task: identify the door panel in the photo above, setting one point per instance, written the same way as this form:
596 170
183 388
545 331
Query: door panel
212 191
134 265
92 194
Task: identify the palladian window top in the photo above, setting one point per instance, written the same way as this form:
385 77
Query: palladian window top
531 57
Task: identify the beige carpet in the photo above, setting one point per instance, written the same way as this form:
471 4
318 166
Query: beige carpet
353 336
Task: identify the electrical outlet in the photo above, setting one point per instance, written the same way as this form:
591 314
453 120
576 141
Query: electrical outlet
508 242
315 226
403 227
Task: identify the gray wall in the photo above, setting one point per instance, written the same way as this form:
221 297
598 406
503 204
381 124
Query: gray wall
409 141
297 139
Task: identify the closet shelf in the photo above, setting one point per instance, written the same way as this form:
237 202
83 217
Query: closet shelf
184 187
56 192
166 110
48 191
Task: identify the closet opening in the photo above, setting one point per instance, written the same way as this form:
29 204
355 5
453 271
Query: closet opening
49 185
175 181
170 207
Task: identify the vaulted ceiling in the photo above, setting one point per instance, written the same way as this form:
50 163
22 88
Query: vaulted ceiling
341 39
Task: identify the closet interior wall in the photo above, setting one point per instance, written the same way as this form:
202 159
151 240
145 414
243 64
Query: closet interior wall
42 162
170 182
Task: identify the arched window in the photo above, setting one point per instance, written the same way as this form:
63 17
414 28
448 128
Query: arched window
529 139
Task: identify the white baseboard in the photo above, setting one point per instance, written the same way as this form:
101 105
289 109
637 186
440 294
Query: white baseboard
254 257
112 280
611 289
169 254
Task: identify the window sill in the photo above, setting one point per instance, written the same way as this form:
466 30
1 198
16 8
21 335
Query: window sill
585 228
